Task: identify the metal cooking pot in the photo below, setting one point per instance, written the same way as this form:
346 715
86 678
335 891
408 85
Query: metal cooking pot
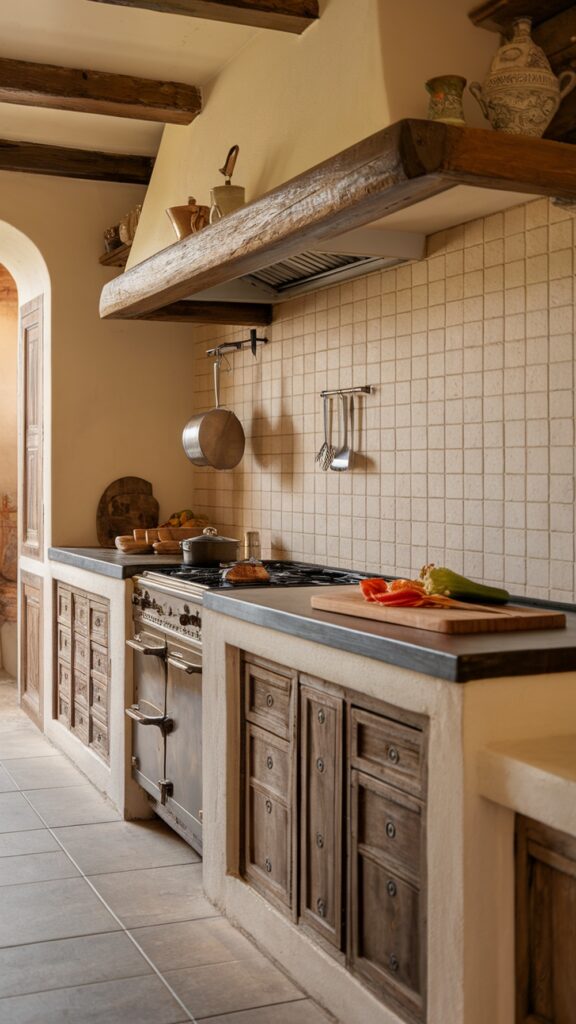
209 549
214 438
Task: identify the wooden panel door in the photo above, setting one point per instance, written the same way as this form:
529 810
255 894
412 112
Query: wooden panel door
321 812
31 646
545 924
31 428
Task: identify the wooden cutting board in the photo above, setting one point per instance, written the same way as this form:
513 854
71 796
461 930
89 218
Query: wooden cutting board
126 504
349 601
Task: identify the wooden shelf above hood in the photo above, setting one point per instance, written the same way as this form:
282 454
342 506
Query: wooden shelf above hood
407 163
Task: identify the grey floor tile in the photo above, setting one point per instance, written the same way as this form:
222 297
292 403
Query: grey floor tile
12 844
51 910
228 987
302 1012
142 1001
128 845
6 783
155 895
72 805
194 943
69 962
16 815
23 743
38 773
35 867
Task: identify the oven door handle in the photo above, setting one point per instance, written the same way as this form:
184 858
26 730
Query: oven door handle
164 723
177 661
158 649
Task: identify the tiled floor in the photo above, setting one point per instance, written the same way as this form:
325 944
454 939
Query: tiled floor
104 921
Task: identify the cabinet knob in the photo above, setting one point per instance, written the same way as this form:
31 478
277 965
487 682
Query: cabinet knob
268 807
321 908
391 888
321 716
393 755
268 865
269 762
270 700
320 764
319 840
394 963
390 830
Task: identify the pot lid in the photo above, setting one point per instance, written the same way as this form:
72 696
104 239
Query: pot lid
208 535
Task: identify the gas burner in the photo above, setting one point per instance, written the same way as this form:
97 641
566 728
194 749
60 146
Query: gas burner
282 574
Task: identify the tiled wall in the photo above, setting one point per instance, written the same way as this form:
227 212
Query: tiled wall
466 447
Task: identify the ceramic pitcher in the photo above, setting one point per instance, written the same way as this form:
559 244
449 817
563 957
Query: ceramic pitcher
446 99
521 93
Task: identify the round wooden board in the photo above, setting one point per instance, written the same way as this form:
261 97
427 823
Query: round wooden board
126 504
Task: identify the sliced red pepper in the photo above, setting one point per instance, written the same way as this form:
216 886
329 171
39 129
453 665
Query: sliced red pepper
400 598
372 588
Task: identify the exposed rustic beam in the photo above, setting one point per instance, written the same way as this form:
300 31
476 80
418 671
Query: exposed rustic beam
96 92
74 163
498 15
199 312
285 15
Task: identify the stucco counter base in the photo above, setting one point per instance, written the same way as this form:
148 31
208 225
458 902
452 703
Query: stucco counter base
470 839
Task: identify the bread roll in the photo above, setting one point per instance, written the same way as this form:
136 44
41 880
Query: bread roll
250 571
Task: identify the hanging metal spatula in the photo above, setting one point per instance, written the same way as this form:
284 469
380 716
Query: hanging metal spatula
343 458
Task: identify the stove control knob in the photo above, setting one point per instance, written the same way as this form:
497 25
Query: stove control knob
135 599
145 601
184 620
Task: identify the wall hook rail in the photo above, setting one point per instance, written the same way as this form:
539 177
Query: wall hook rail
365 389
236 346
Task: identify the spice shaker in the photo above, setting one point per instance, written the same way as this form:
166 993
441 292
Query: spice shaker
252 544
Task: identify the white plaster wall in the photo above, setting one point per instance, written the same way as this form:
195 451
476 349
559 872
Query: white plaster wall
292 101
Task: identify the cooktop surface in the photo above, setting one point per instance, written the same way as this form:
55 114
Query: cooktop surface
282 574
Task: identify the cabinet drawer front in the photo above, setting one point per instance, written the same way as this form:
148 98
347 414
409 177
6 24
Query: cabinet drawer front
64 644
268 761
65 680
98 737
99 700
388 750
81 653
99 660
321 812
63 604
388 824
80 723
99 622
80 607
386 926
268 842
80 681
267 699
63 710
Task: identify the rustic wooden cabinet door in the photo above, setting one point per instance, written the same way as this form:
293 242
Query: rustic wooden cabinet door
31 645
321 812
31 429
268 859
545 924
386 946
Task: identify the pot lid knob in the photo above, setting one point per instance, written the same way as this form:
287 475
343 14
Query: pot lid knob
210 531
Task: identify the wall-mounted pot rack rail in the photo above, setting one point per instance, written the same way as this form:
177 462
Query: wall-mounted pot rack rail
402 165
365 389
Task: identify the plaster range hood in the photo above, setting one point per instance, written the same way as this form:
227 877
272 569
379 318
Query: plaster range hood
375 201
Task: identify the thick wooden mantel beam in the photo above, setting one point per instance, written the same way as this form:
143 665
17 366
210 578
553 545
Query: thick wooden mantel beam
74 163
96 92
201 312
391 170
285 15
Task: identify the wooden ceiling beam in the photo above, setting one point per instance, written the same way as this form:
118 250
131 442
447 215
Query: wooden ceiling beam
284 15
498 15
74 163
250 314
97 92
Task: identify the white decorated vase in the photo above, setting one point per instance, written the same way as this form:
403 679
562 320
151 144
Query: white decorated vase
521 93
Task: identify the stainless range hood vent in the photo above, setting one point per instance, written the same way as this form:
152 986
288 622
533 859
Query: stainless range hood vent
305 267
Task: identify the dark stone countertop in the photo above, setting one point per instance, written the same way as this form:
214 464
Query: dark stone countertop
109 561
458 659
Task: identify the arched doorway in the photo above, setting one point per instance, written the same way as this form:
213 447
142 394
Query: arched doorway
24 439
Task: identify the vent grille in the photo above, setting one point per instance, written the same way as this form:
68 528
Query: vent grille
308 266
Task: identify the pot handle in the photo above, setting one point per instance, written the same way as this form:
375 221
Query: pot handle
569 80
217 383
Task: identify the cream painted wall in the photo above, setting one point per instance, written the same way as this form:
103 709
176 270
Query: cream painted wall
292 101
120 391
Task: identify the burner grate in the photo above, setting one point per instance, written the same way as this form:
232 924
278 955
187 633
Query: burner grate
282 574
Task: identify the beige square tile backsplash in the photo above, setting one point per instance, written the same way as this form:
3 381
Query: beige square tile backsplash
466 446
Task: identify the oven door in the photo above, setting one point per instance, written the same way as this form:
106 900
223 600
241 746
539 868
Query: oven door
148 714
184 744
